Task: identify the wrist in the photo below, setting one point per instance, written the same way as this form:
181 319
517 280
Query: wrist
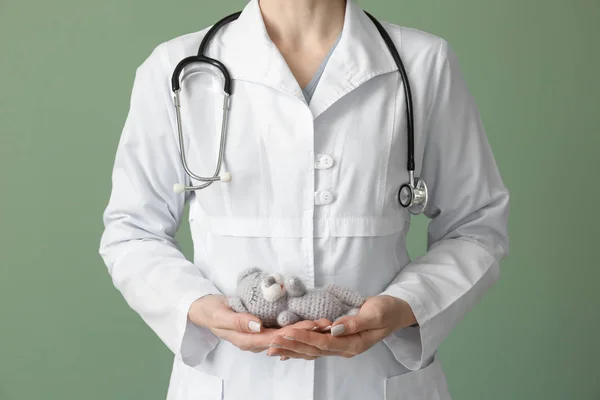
197 311
403 314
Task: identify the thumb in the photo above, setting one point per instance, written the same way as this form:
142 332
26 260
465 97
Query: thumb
351 324
245 322
241 322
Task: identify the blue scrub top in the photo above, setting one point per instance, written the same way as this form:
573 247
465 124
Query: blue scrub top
309 90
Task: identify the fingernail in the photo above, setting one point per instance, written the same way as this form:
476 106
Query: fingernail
328 327
315 328
254 326
283 358
275 346
338 330
288 338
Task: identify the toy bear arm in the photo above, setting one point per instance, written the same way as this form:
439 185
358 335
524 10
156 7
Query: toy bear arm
236 304
287 317
295 287
346 296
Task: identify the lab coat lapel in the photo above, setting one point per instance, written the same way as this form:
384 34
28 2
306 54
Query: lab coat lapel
360 55
249 54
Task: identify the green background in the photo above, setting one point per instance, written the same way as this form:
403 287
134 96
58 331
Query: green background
66 70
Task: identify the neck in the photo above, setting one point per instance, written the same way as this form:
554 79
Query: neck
299 24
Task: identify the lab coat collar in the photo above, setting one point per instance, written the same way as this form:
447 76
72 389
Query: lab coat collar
361 54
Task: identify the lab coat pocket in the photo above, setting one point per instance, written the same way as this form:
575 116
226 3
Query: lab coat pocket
195 384
428 383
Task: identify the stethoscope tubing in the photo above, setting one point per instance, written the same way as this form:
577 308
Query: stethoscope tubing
419 194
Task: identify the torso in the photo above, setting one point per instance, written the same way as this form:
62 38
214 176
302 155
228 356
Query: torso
338 223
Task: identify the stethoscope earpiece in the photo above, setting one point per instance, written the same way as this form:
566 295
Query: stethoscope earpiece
178 188
225 177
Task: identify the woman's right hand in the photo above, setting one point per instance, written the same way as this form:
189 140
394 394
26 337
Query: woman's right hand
243 330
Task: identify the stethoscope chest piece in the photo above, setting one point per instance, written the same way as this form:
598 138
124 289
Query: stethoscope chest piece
414 196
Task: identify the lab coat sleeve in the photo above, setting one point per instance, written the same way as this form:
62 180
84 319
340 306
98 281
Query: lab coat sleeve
143 215
468 211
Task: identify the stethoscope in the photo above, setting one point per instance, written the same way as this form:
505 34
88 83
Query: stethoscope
412 195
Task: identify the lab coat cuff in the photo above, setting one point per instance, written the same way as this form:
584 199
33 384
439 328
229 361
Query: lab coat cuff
410 345
195 342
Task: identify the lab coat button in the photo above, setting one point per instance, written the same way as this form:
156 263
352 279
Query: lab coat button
323 161
323 197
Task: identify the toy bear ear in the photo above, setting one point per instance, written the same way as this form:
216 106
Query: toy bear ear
247 272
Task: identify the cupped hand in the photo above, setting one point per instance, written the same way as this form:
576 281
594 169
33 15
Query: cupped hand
305 352
243 330
350 335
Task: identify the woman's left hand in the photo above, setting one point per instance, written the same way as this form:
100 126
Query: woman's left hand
350 336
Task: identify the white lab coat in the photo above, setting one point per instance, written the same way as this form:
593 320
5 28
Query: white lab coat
289 210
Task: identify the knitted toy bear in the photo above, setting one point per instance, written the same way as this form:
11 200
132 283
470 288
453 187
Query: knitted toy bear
278 302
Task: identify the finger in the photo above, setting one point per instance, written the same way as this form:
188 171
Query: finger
290 354
225 318
304 325
326 342
287 354
350 325
307 325
279 343
315 339
246 341
259 350
324 324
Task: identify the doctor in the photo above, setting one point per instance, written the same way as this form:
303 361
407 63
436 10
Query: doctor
316 147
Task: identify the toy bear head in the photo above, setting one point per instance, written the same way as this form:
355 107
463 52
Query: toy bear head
269 286
262 294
